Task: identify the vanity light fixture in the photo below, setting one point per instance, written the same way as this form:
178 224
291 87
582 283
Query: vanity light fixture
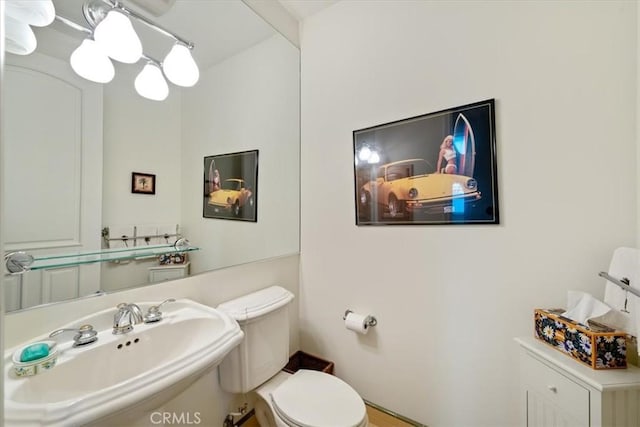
112 36
150 83
179 66
118 38
91 62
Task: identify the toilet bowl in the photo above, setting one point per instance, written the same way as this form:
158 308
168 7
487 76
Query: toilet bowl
309 399
303 399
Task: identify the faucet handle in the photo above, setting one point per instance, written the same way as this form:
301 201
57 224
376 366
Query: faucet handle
85 334
154 314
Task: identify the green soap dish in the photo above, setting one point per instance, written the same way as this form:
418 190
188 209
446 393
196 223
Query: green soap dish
32 365
34 352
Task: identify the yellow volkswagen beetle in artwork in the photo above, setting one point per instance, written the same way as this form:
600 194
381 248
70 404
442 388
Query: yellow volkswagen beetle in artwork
232 196
412 185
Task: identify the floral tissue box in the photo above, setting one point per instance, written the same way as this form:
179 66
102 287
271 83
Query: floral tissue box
598 350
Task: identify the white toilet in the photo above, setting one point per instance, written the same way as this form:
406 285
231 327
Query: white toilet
304 399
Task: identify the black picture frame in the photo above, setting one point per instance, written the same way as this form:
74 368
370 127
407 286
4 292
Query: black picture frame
143 183
230 189
434 169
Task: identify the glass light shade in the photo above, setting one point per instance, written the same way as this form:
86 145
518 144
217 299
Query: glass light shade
19 37
39 13
91 62
118 38
151 84
180 67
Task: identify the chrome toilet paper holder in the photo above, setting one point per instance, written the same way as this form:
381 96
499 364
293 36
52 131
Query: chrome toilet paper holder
369 320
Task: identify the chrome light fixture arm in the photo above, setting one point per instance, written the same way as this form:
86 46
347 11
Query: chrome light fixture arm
95 10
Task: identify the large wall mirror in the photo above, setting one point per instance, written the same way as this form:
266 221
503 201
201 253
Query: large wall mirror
71 147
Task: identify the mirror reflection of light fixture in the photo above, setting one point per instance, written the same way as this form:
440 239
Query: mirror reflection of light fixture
179 66
364 153
112 30
374 158
39 13
19 37
118 38
19 16
91 62
151 84
368 154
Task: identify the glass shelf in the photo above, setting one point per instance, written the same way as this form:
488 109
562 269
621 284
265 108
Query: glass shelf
19 262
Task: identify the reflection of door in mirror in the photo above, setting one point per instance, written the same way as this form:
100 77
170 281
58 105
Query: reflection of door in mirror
54 124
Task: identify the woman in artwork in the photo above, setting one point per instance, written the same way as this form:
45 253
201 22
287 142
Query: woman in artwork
214 177
448 154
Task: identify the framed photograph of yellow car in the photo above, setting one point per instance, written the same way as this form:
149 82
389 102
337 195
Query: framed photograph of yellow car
144 183
231 186
437 168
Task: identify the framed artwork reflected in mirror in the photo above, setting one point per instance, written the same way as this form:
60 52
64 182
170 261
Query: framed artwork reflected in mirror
143 183
231 186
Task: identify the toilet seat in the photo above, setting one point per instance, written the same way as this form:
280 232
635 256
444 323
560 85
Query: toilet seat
316 399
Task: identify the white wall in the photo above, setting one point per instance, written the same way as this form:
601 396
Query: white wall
449 299
139 136
2 252
248 102
211 289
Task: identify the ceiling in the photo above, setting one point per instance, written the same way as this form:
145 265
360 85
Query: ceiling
302 9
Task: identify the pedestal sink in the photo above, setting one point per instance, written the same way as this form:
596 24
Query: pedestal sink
120 371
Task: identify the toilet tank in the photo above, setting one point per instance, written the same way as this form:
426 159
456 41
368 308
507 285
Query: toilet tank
264 319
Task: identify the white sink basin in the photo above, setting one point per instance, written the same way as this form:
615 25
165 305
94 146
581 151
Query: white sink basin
119 371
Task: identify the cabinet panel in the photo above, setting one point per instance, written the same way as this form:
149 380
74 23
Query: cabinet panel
621 408
168 272
12 294
552 398
579 396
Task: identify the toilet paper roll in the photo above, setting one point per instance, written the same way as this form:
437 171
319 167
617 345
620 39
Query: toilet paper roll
357 323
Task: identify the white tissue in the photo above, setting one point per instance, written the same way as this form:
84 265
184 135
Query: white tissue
582 306
357 323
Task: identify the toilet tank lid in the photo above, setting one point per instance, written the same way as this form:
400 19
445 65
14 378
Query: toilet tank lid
256 304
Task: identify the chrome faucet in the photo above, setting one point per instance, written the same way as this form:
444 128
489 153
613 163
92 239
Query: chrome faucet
85 334
154 314
126 316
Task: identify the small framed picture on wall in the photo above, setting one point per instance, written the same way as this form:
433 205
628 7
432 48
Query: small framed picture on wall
143 183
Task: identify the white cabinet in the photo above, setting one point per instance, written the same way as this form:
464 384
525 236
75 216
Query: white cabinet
558 391
161 273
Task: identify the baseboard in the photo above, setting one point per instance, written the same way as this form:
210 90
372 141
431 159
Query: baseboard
394 414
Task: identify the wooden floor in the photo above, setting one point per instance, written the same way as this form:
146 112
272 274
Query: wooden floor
376 419
381 419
